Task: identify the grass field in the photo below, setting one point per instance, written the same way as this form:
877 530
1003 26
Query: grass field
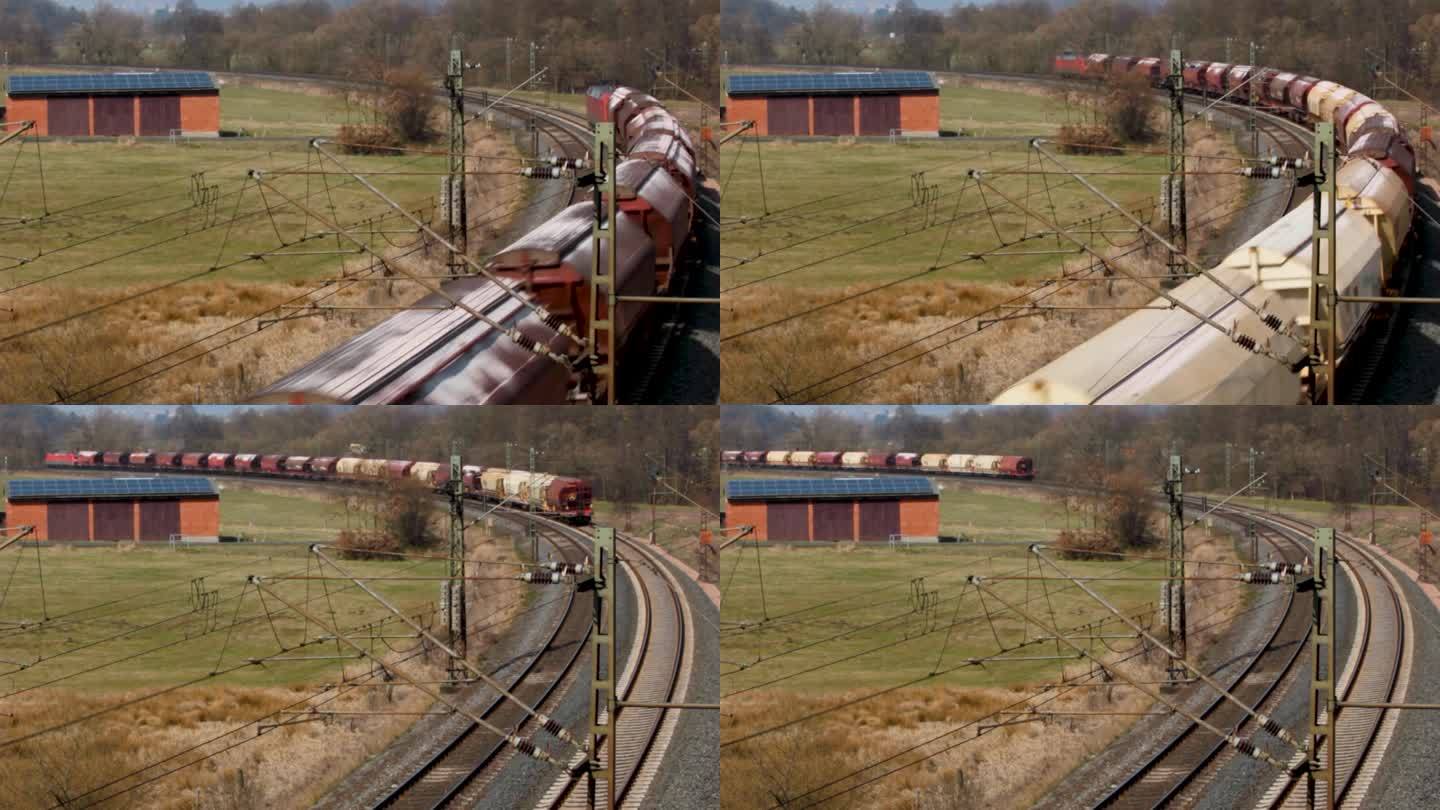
865 271
867 674
148 246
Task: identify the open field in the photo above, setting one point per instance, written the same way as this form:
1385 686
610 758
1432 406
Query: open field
868 676
677 528
861 271
166 677
148 246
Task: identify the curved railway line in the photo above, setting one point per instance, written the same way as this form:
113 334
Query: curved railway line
657 669
1375 668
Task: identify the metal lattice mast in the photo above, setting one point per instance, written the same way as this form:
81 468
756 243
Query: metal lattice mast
530 500
602 276
1322 678
1176 189
1250 123
455 188
602 678
1175 599
1322 276
456 603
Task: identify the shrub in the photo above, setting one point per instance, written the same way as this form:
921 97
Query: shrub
367 139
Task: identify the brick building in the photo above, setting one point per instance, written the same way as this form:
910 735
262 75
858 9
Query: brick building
860 509
871 103
114 508
74 104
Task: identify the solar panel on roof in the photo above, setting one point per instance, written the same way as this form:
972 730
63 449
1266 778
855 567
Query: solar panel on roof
779 83
775 488
56 488
60 84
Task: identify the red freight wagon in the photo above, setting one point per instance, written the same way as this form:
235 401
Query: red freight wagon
567 495
1194 74
219 461
247 461
272 463
1017 466
830 458
907 459
1215 77
468 475
167 459
323 465
296 464
140 458
731 456
88 457
193 461
111 458
398 469
1299 91
879 458
754 456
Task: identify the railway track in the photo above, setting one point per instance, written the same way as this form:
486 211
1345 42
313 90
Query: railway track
656 671
463 763
658 666
1180 764
1375 670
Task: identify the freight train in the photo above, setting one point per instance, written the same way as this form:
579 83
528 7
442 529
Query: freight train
439 353
1020 467
565 498
1162 354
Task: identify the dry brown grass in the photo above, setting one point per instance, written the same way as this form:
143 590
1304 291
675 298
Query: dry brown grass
1007 766
968 359
124 353
290 766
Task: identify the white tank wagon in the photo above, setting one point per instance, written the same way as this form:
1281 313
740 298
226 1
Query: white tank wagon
1163 355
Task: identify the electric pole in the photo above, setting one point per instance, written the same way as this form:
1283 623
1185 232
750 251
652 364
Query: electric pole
456 602
530 524
1175 583
1175 186
1254 101
1322 679
508 42
455 182
1228 489
1323 290
602 678
602 276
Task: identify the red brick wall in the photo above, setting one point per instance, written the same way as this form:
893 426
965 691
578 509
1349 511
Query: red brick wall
747 108
200 517
199 113
28 108
920 517
920 112
27 513
747 513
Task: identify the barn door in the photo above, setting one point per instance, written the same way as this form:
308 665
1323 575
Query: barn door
68 116
114 520
114 115
834 115
879 519
787 521
879 114
834 520
788 116
68 521
159 519
159 114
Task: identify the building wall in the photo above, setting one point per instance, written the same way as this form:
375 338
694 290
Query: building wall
920 517
27 513
28 108
920 112
748 108
740 513
200 517
200 112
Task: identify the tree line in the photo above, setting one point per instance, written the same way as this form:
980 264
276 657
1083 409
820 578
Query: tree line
1306 452
617 449
1328 38
581 42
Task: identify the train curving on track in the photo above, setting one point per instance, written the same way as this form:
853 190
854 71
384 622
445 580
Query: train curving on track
561 496
880 461
1164 353
515 333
